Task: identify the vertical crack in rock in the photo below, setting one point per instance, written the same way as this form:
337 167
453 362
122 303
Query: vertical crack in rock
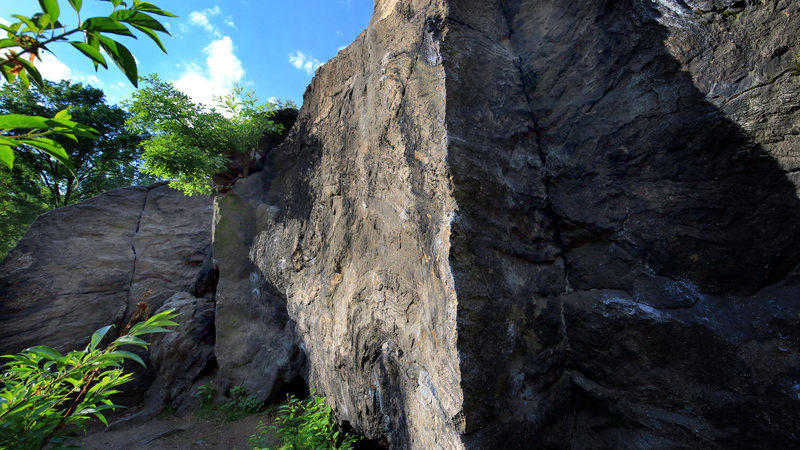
133 263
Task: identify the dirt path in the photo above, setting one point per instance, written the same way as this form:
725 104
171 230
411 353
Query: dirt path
171 433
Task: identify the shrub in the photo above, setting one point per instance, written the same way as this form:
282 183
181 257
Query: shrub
44 393
305 424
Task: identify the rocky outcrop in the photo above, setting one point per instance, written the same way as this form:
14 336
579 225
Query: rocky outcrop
87 265
496 224
84 266
515 224
255 343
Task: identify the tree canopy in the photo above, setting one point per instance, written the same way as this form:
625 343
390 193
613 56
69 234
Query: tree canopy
37 182
27 38
189 143
100 164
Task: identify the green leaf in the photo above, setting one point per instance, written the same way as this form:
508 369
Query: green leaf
44 20
106 25
130 340
91 52
138 18
50 7
152 9
121 57
68 127
32 26
5 43
32 71
45 351
101 418
63 114
23 76
98 336
152 34
7 156
76 5
13 121
133 356
53 149
6 69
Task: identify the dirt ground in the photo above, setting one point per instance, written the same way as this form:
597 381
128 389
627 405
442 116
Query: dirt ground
167 432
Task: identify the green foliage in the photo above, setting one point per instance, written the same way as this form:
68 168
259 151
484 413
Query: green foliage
98 165
21 201
796 64
241 405
206 393
30 36
189 143
305 424
36 182
44 393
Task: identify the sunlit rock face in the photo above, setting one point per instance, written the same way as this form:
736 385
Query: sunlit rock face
521 224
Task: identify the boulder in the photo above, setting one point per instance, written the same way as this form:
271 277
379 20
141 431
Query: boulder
87 265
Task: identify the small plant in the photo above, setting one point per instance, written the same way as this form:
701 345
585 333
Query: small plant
796 65
44 393
304 424
206 392
241 405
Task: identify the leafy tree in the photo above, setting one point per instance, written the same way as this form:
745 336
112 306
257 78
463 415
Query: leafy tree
28 37
43 392
189 143
21 201
100 164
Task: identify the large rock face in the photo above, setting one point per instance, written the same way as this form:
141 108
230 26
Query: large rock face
496 224
84 266
87 265
533 223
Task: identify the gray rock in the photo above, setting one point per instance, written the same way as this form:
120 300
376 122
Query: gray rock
87 265
179 358
516 224
256 345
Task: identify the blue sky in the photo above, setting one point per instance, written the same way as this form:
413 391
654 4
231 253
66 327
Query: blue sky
269 46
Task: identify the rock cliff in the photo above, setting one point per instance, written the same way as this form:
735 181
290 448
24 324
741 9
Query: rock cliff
515 224
495 224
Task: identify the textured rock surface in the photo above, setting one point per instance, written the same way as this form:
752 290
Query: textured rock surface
84 266
496 224
256 345
516 224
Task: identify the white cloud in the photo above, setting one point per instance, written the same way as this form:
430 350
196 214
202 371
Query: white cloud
3 21
229 22
201 19
52 69
223 70
301 61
